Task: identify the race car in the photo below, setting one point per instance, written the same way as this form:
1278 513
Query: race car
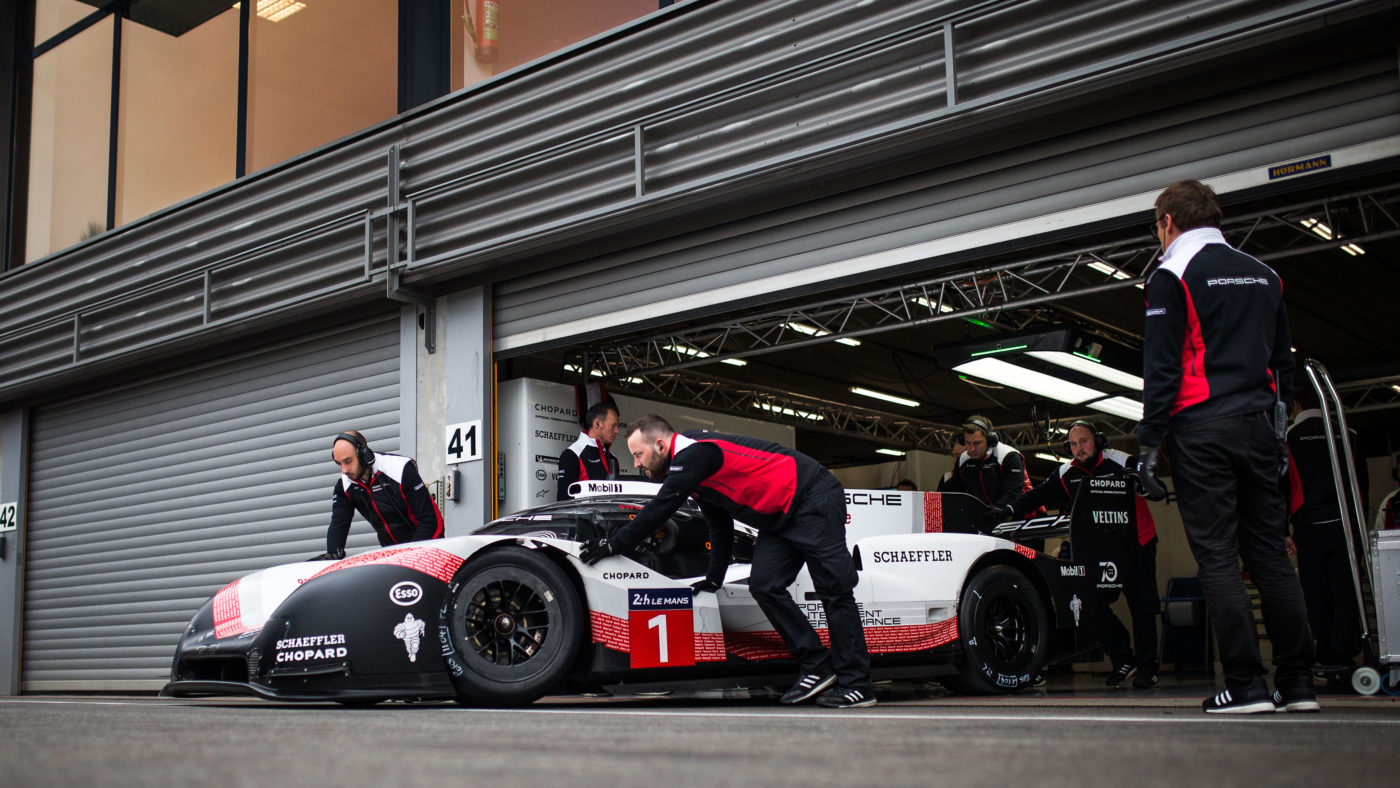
509 614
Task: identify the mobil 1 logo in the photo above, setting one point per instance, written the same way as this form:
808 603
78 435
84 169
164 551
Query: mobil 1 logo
661 627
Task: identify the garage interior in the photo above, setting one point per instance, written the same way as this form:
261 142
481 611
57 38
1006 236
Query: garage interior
1331 236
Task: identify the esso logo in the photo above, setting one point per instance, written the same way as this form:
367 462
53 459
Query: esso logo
405 593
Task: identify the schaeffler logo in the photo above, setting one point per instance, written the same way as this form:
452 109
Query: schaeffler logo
405 593
1110 572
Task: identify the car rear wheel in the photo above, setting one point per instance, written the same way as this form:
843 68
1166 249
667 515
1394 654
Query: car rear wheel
1004 632
512 623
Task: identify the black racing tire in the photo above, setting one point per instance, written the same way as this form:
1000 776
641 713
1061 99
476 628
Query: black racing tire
511 626
1004 632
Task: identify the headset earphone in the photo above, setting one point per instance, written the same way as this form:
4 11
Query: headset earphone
1100 439
977 422
362 451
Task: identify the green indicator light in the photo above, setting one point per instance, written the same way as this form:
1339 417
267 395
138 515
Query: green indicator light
998 350
1091 358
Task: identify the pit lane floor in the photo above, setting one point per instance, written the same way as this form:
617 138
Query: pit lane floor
1075 732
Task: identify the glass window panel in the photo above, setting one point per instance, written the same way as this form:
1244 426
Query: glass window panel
527 30
328 69
68 148
52 17
179 114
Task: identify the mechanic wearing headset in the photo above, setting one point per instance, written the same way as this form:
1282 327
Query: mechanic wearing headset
386 490
1216 363
1094 459
799 509
989 469
1325 565
591 457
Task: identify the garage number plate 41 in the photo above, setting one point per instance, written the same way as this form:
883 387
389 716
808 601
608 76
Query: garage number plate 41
661 627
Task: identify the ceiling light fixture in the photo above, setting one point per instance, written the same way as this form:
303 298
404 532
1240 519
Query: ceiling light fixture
276 10
1089 366
1105 268
813 331
687 350
864 392
998 371
927 304
780 410
1120 406
1051 457
890 452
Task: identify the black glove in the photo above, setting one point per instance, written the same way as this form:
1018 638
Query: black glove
329 555
995 516
703 585
1147 482
595 550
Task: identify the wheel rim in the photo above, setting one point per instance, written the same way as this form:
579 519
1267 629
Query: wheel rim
505 619
1007 629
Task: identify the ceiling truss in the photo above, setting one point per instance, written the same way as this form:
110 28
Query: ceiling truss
1011 296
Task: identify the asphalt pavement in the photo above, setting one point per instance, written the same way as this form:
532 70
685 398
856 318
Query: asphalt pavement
1075 733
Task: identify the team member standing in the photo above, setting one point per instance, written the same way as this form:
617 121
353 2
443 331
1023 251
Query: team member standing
590 457
1215 360
799 509
1093 459
989 469
1325 565
385 489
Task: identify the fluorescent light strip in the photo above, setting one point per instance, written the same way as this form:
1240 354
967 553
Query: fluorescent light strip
1353 250
1051 457
1318 228
597 373
908 403
277 10
1105 268
812 331
802 414
1120 406
994 351
697 353
998 371
890 452
927 304
1089 367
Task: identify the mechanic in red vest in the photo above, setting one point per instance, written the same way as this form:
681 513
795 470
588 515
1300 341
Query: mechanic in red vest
591 457
799 510
385 489
1094 459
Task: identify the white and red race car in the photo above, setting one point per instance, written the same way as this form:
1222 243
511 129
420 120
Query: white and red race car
509 614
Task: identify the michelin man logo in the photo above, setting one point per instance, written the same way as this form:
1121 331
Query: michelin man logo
410 631
1075 605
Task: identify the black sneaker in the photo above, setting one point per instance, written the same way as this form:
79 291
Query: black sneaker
1145 680
1120 675
845 699
1296 695
807 686
1253 699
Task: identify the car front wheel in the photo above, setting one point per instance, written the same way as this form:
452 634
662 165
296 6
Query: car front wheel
1004 632
512 623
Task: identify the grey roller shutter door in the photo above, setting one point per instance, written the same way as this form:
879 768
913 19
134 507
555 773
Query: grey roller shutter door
146 499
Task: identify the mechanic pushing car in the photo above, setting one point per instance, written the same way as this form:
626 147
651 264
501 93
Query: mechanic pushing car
386 490
799 510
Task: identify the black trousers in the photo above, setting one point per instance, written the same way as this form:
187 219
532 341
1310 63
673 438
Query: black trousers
815 534
1226 477
1324 568
1144 605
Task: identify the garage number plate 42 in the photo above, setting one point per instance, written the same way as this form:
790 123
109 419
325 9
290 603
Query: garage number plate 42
661 627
